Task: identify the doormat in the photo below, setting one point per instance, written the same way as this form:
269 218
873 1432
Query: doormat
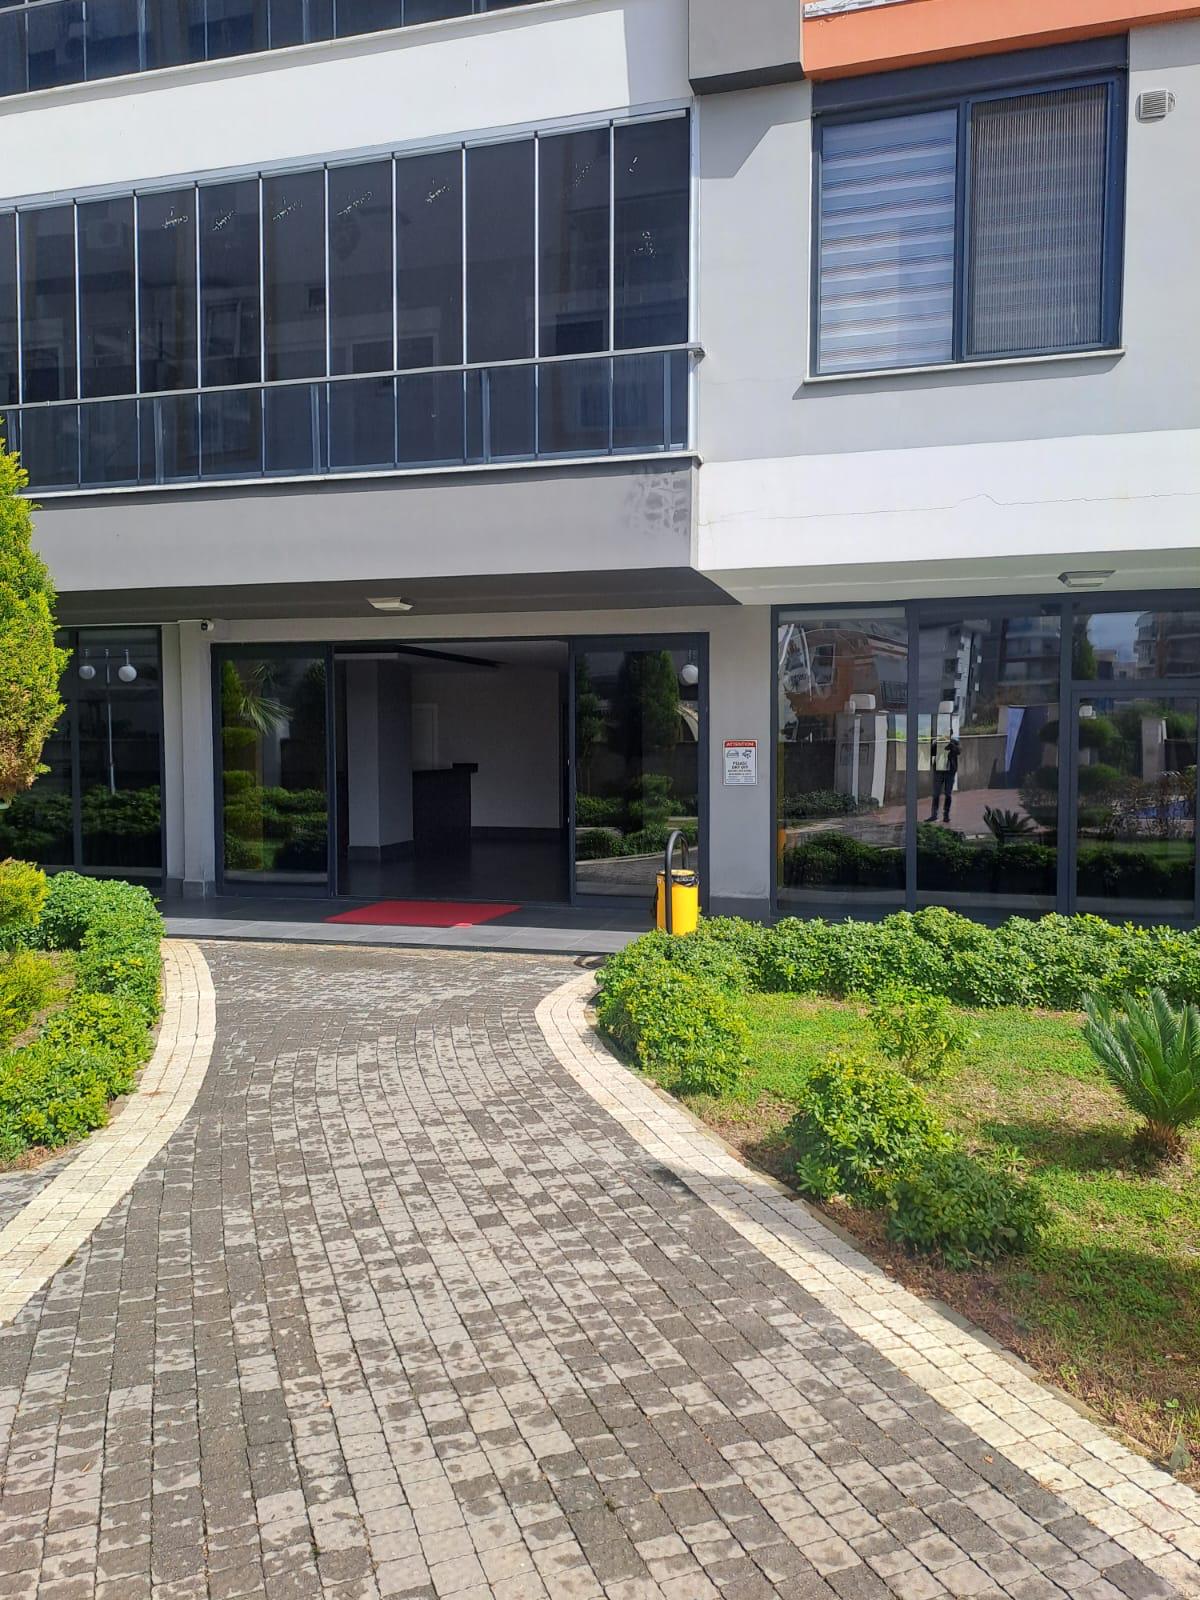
424 914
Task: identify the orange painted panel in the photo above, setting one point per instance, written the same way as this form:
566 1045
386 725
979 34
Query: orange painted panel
910 33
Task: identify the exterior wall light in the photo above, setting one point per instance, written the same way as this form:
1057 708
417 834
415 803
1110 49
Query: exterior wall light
1084 580
391 604
689 674
87 672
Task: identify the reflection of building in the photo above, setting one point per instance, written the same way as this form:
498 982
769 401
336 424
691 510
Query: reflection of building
1167 645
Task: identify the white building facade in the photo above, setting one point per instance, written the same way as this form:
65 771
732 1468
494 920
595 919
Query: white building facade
473 443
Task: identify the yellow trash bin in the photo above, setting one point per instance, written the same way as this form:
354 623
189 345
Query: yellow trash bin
685 902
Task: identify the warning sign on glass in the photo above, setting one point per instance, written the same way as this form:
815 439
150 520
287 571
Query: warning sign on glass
741 761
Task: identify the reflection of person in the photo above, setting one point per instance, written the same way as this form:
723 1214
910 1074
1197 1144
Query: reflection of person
944 762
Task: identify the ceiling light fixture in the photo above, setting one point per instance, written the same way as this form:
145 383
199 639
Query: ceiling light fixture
1085 580
390 603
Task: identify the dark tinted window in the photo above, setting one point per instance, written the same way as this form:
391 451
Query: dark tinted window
294 274
14 63
652 235
229 287
48 303
573 203
106 297
174 32
236 27
9 367
368 16
300 21
361 295
500 246
56 44
167 269
429 259
112 38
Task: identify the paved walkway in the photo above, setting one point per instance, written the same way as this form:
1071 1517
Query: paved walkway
402 1310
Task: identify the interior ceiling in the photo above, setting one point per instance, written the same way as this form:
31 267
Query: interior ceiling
488 593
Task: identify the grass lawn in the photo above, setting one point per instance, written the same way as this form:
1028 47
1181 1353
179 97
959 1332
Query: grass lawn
1109 1305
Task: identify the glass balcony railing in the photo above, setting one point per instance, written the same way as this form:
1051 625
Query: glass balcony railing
45 44
607 405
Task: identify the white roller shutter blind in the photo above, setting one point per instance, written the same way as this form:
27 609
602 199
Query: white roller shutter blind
886 268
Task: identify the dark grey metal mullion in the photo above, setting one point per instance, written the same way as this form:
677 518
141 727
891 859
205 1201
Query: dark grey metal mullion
911 747
74 702
572 771
1067 760
331 785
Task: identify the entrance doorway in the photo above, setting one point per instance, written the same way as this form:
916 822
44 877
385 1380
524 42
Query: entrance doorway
517 771
450 771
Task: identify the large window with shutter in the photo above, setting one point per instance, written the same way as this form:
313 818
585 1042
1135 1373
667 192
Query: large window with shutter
976 229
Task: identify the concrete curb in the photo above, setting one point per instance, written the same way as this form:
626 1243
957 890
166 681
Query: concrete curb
46 1232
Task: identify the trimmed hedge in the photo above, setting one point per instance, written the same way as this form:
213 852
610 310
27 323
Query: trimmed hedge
57 1088
678 1025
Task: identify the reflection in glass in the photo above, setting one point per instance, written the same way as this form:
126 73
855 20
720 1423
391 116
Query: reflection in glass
362 424
14 52
429 247
429 420
843 695
167 289
231 444
10 392
1124 647
294 428
652 251
275 816
573 202
229 287
500 246
294 275
361 295
170 438
107 311
50 445
1136 799
56 44
574 407
501 413
48 303
637 765
108 442
119 708
112 38
110 788
987 761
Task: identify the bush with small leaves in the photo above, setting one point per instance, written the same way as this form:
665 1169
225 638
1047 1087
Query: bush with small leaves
921 1033
29 981
1150 1052
23 892
682 1030
859 1123
966 1211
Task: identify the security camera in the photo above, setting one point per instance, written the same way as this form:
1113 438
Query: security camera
207 625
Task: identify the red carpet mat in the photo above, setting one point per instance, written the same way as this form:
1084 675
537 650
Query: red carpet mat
424 914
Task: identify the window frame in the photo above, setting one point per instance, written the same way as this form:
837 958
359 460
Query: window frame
963 102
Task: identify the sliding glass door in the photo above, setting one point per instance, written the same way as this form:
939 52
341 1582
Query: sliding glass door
639 751
273 753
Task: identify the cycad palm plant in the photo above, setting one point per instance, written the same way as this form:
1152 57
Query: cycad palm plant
1151 1053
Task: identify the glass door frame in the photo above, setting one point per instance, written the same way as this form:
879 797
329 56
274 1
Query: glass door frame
220 654
1083 692
696 643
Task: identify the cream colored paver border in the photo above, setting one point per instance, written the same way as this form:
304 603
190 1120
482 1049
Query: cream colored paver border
1145 1510
45 1234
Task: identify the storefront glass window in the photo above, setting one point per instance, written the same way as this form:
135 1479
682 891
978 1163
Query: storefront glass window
843 694
988 760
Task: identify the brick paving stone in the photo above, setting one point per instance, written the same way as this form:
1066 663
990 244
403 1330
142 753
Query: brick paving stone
404 1310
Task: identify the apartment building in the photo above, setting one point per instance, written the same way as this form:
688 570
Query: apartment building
473 439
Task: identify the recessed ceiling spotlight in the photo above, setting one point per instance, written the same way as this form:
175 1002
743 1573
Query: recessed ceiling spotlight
1084 580
391 603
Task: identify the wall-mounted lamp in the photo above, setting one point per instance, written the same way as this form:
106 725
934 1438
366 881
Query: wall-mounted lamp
1085 580
689 674
391 604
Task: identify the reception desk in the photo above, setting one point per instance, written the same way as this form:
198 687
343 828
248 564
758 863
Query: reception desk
442 807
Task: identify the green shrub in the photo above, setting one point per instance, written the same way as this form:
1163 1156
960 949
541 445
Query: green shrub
678 1027
860 1124
29 981
49 1096
110 1031
921 1033
1151 1054
952 1205
23 892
